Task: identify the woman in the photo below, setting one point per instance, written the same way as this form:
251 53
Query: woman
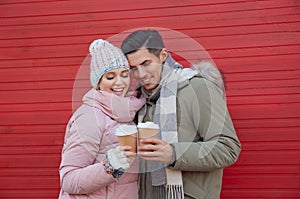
92 165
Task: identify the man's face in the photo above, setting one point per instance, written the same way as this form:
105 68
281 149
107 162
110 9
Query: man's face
146 67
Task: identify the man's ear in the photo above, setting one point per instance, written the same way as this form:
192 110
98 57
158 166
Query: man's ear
163 55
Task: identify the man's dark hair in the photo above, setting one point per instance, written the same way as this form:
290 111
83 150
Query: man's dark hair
149 39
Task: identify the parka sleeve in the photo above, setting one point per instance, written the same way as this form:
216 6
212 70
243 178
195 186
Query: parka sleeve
215 144
78 172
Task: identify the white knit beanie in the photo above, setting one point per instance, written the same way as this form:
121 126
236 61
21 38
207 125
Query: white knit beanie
105 57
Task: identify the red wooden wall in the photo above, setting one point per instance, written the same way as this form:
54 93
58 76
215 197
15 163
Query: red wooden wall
255 42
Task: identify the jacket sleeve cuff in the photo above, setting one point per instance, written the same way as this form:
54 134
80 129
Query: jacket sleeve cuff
174 157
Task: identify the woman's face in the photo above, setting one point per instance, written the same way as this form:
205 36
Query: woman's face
115 81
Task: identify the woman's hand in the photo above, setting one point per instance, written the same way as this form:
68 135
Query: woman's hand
117 158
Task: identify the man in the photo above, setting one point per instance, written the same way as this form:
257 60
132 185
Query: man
196 138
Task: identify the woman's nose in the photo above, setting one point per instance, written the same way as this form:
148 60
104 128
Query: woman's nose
119 80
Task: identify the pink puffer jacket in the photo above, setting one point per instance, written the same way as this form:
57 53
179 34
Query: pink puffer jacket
89 134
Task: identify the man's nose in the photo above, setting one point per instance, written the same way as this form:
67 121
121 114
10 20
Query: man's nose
141 72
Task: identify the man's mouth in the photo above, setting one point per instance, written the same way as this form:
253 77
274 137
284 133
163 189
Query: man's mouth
146 80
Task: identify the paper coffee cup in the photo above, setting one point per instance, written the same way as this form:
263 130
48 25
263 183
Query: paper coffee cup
147 130
127 136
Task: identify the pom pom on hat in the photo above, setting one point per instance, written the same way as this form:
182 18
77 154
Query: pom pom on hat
105 57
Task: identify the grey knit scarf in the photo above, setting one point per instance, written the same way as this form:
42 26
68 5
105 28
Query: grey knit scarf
166 183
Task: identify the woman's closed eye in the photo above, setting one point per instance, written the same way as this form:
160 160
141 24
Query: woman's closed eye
110 77
125 74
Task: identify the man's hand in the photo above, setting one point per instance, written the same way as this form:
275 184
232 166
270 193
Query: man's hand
156 150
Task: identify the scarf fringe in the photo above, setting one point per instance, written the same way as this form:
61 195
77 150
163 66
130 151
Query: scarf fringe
174 192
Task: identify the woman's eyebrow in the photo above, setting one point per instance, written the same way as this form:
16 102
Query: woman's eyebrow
110 73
